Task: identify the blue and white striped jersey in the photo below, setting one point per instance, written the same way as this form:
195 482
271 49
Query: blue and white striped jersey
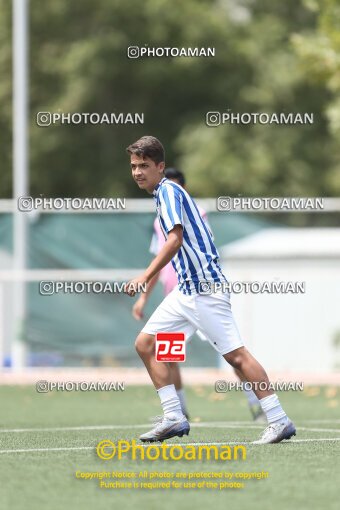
198 259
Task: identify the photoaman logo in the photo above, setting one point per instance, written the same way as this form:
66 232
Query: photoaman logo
107 450
170 347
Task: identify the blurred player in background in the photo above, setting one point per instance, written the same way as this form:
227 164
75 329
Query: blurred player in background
168 278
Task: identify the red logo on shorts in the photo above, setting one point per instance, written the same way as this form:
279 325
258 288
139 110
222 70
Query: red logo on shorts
170 347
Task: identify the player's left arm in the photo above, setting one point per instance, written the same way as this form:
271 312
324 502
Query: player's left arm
169 250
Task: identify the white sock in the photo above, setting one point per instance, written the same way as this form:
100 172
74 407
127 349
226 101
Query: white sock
251 397
181 396
170 402
272 409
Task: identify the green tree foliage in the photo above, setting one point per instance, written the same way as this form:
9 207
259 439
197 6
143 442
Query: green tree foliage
319 53
264 159
78 63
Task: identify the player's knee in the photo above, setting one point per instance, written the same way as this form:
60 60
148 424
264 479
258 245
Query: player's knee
236 358
144 344
139 346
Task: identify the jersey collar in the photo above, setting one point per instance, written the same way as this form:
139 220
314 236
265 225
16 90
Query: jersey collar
158 186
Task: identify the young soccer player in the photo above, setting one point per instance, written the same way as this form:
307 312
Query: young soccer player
190 247
168 278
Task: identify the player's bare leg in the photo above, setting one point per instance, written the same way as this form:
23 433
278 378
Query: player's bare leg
176 375
279 425
253 402
174 423
160 373
250 370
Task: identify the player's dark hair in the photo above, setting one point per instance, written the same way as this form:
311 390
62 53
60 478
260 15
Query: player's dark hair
173 173
148 147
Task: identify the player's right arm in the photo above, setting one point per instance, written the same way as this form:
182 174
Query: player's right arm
172 218
169 250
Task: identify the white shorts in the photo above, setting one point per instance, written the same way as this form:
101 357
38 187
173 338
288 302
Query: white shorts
210 314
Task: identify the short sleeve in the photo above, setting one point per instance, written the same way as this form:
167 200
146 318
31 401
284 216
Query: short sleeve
171 207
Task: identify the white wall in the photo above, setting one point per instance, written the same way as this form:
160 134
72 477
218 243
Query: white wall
287 331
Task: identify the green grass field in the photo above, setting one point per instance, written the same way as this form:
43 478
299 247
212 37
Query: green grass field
46 438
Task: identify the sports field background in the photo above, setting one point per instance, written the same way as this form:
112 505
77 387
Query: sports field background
271 57
46 438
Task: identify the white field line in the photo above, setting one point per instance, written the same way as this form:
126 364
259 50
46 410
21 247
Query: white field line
139 426
252 426
321 421
90 427
230 425
72 448
64 449
337 431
